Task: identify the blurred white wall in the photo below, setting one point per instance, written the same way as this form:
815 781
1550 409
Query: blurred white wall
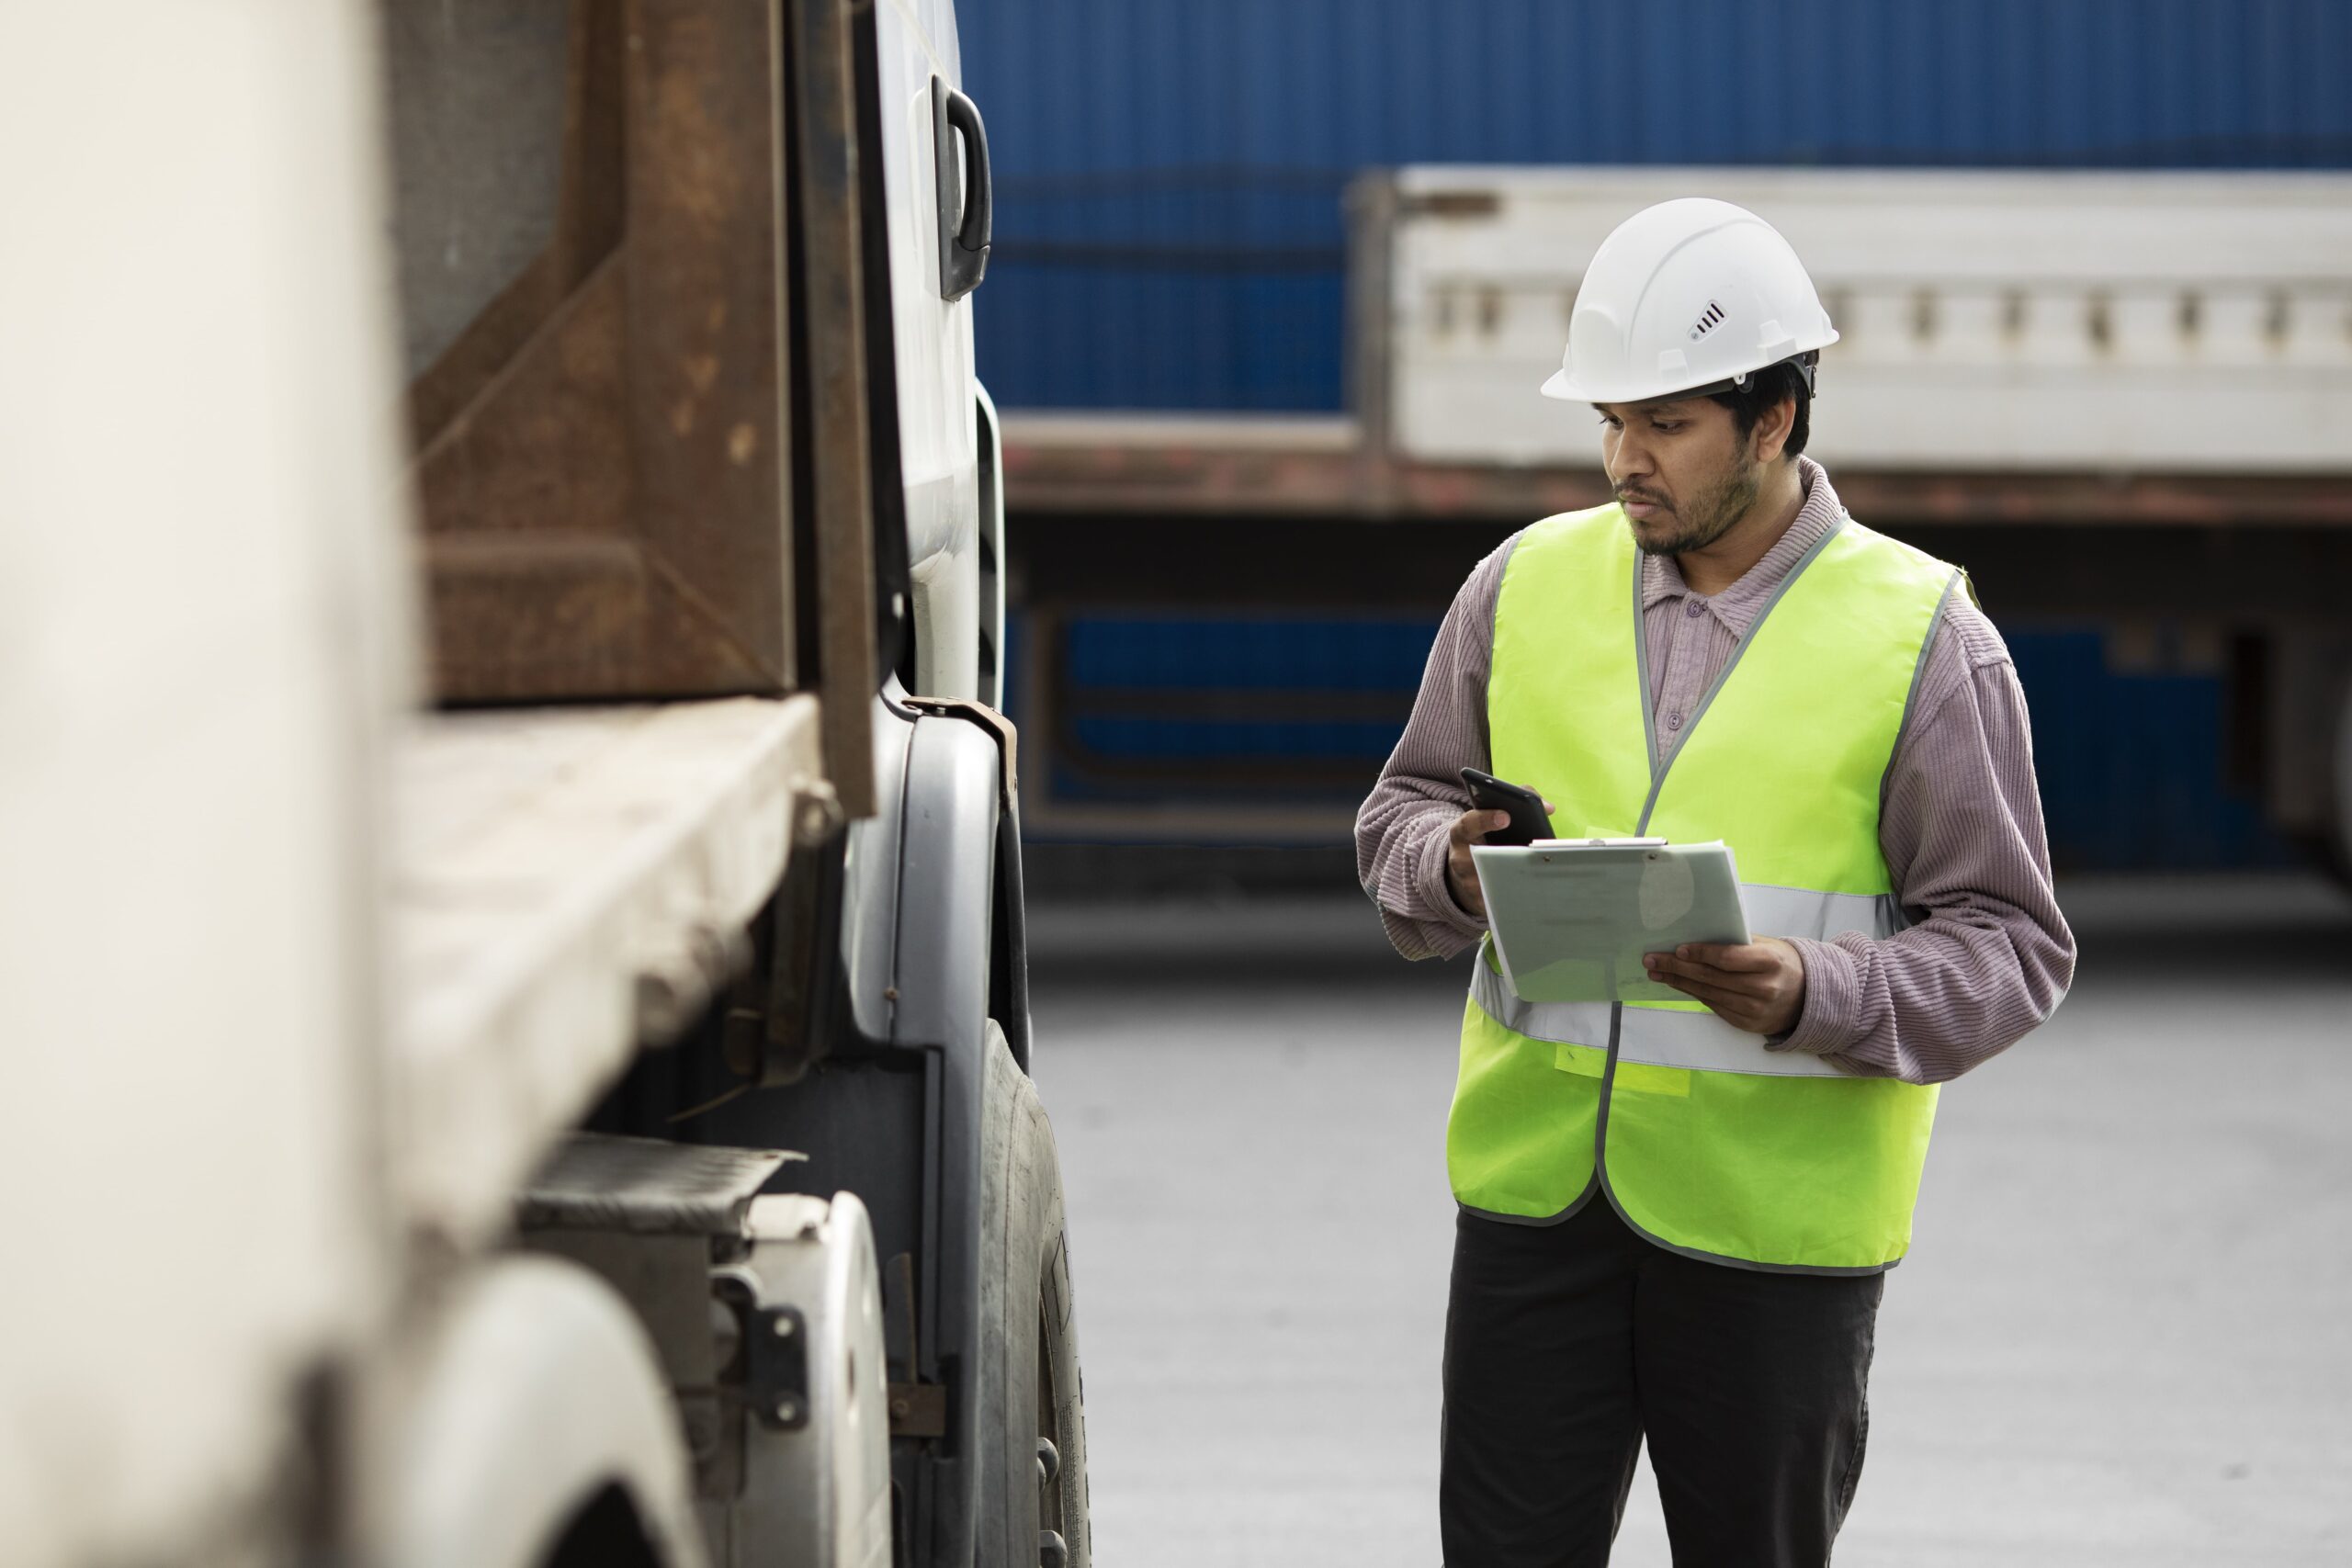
202 636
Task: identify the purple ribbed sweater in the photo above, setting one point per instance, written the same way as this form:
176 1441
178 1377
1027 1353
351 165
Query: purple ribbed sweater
1960 822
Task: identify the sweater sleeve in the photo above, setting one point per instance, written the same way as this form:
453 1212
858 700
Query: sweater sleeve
1988 956
1401 829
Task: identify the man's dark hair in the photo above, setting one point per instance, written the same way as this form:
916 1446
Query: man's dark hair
1764 389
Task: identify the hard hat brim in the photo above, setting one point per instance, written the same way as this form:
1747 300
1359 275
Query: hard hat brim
1560 389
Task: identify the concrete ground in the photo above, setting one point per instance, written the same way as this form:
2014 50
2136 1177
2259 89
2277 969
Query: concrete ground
2124 1335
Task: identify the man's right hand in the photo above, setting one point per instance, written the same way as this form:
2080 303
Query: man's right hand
1461 875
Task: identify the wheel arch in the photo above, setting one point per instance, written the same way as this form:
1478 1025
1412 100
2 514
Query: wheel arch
532 1400
946 902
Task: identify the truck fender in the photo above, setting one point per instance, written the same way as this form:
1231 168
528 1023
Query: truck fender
930 950
535 1395
947 894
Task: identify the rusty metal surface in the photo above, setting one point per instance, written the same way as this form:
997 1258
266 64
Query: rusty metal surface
703 341
544 584
587 223
603 451
545 447
918 1410
829 263
1087 562
1236 465
476 107
564 617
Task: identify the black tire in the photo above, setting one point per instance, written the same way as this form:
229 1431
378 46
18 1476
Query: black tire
1028 1385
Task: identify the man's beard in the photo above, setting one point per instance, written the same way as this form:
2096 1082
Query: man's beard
1710 514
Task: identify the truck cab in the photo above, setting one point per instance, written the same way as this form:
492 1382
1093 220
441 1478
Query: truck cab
519 738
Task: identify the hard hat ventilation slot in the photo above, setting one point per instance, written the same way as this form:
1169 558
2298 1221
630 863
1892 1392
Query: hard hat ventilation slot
1709 320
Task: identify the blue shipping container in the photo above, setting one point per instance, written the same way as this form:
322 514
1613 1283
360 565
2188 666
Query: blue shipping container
1169 230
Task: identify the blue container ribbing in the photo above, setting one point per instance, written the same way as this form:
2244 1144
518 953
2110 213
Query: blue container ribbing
1169 232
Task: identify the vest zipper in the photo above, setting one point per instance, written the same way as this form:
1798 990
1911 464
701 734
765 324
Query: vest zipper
1658 768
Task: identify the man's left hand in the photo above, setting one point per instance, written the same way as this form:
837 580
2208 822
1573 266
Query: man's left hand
1758 987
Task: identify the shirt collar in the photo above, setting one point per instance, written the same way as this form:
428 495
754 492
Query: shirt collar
1738 605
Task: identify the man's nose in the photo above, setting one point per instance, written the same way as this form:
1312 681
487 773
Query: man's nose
1630 462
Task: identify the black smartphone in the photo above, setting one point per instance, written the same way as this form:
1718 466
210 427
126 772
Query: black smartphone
1528 822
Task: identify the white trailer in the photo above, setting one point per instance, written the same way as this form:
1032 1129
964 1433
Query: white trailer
355 1212
2065 322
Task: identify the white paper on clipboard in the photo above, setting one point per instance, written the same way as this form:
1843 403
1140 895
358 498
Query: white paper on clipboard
1571 920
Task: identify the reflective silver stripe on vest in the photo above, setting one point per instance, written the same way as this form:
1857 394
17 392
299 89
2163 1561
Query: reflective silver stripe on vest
1697 1041
1799 911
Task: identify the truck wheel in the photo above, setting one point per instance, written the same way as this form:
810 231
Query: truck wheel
1032 1418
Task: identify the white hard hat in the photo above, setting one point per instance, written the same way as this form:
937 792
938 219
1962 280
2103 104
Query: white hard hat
1687 295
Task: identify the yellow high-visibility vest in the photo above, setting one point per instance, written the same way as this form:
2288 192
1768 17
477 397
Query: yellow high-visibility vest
1704 1141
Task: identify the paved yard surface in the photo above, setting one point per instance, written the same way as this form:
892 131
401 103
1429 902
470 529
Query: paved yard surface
2124 1336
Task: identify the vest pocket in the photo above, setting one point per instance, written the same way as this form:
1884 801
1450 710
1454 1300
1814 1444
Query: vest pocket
1589 1061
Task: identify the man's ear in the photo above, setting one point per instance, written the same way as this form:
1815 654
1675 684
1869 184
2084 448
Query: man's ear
1773 426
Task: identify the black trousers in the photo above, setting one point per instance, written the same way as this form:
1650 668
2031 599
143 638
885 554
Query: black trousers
1567 1345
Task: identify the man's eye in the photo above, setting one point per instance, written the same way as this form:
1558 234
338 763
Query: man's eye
1609 422
1666 426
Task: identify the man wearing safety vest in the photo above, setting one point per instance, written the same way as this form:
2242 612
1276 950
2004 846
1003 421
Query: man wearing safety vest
1676 1217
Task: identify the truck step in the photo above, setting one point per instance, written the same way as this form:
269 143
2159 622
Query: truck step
646 1187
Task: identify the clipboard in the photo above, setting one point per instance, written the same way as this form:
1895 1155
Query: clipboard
1572 918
